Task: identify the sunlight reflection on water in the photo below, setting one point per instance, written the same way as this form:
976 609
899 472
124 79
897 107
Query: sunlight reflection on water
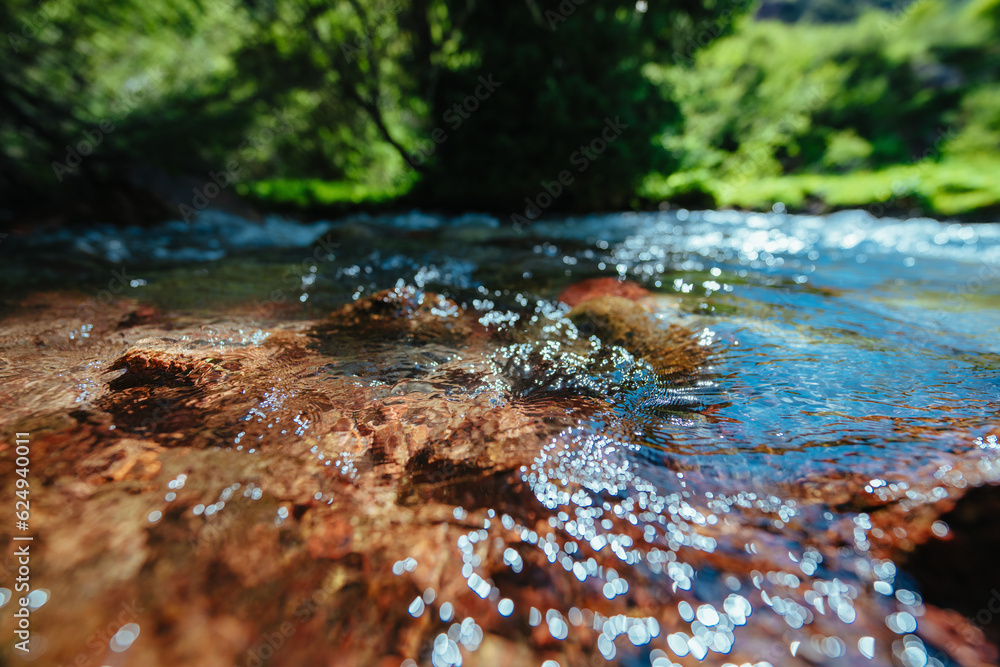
729 518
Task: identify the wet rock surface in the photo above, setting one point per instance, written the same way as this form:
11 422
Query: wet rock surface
251 497
956 569
491 477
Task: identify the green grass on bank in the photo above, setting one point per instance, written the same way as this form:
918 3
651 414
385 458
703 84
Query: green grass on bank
951 187
318 193
941 189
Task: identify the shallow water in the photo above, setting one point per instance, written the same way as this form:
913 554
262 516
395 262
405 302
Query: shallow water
749 514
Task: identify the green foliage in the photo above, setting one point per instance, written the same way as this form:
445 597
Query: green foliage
339 92
100 96
316 193
978 118
845 150
772 112
566 71
950 187
471 104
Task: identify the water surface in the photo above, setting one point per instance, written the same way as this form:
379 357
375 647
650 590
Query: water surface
754 512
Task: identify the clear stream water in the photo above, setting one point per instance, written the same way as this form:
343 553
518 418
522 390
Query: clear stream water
831 327
846 347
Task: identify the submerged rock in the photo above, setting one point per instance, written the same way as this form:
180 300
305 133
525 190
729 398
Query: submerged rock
400 315
594 288
954 561
407 481
672 350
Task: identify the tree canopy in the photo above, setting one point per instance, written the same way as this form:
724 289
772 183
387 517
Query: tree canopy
480 104
129 110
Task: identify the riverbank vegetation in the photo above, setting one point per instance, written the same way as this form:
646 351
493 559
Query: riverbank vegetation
135 111
897 109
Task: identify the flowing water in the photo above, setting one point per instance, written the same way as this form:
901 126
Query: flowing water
506 487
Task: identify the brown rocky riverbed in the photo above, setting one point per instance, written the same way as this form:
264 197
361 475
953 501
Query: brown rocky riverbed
409 481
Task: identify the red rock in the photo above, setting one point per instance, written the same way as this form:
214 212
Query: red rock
592 288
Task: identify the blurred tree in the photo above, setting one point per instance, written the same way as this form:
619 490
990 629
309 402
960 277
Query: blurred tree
112 104
776 99
540 90
97 98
